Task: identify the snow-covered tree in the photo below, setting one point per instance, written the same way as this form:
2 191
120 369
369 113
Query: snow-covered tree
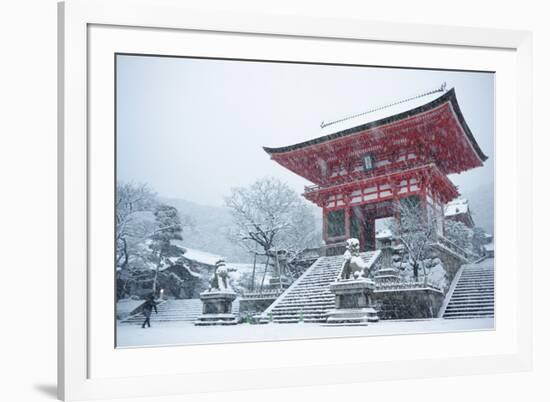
272 220
144 232
271 215
134 205
459 234
415 230
479 239
168 228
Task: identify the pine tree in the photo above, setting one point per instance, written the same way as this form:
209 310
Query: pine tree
168 228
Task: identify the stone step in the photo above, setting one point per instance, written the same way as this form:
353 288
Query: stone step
325 282
154 319
472 287
475 285
316 304
474 297
297 316
305 308
176 310
302 309
324 289
469 310
474 294
309 295
177 314
306 298
471 304
320 293
469 313
477 278
483 277
470 294
171 319
452 317
297 312
474 290
296 321
294 303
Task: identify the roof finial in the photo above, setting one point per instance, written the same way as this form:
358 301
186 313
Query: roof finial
433 91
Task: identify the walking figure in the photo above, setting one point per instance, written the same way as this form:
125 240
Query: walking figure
148 307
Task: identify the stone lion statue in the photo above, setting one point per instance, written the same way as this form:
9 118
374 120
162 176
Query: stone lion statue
220 279
353 266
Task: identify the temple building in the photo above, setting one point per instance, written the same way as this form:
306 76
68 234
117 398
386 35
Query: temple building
459 210
364 165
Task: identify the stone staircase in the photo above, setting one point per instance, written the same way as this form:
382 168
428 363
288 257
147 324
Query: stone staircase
309 298
474 293
175 310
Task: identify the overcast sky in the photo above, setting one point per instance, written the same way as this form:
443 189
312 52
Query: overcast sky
193 129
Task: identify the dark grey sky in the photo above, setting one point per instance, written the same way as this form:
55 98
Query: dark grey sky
193 128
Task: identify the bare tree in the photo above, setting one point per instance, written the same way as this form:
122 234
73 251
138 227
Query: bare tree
133 203
271 217
416 230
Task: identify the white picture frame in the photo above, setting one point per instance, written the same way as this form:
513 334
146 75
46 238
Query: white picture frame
90 367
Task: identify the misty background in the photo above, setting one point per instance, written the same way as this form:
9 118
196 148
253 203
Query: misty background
192 129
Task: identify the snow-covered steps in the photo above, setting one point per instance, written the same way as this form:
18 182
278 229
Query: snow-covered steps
473 295
309 298
176 310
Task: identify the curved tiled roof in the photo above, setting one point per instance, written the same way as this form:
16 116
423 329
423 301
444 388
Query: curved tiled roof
449 96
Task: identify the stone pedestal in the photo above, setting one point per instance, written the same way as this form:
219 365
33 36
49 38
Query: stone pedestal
217 308
353 303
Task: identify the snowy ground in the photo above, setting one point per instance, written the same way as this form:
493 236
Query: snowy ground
182 333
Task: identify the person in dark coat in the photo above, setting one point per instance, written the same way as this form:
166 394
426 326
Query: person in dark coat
148 307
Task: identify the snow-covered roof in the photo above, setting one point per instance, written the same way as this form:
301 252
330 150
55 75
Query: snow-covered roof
457 207
202 256
379 112
332 125
177 261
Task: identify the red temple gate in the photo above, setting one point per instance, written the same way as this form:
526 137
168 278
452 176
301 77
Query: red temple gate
361 173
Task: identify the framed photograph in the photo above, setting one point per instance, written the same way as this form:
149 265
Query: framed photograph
254 200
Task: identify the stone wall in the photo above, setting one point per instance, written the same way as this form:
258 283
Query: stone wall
452 264
416 301
254 306
407 303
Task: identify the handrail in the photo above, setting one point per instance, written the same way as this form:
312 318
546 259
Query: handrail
456 248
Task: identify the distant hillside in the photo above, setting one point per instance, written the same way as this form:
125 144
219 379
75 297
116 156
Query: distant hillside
211 227
482 200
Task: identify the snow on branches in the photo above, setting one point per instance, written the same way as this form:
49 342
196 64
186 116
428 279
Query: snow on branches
145 232
271 215
416 230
